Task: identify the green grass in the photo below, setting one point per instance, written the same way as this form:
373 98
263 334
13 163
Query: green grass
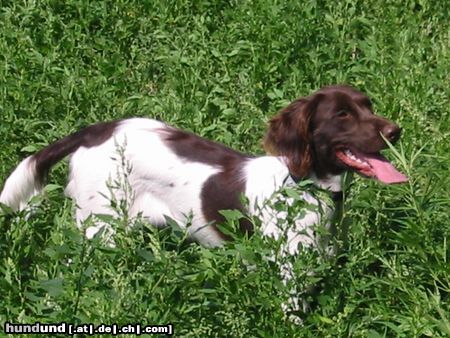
222 69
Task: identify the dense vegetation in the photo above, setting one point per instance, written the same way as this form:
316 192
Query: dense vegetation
222 69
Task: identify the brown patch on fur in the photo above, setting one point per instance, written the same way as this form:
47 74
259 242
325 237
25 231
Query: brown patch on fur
88 137
221 191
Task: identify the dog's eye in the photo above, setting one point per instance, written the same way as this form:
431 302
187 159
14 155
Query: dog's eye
343 113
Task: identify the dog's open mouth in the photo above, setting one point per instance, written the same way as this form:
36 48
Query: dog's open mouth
371 165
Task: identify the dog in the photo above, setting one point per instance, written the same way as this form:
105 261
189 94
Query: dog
176 174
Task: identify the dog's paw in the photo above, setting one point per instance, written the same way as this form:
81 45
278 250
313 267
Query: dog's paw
296 309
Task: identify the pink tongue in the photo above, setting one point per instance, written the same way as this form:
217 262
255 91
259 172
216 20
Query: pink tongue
383 169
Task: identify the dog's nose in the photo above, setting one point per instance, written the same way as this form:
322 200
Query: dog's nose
392 132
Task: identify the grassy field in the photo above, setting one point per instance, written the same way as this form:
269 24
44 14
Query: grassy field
222 69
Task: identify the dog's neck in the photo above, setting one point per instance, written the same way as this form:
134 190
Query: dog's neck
332 183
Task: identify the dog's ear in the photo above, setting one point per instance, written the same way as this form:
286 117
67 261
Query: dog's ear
289 135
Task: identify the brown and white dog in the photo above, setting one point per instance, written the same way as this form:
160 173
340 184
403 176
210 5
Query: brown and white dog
176 174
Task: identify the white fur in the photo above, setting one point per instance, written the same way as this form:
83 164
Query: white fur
265 176
20 186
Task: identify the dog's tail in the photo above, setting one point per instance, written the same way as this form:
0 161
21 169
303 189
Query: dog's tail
21 185
27 180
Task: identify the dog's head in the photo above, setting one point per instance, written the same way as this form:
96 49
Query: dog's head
332 131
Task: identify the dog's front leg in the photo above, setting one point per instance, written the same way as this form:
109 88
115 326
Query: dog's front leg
302 232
